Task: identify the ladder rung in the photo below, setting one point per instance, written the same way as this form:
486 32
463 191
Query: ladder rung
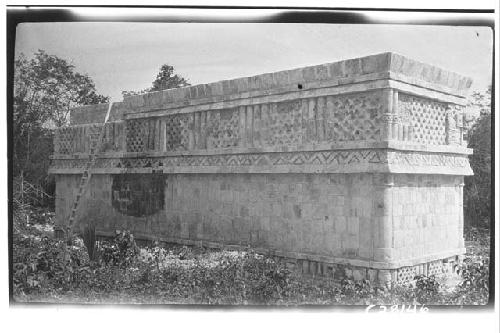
95 141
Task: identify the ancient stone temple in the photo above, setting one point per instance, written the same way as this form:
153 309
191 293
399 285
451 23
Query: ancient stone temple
349 168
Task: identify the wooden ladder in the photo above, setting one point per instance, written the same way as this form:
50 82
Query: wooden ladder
95 146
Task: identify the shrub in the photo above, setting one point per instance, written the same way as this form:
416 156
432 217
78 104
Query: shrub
427 289
89 239
121 251
474 288
43 264
477 191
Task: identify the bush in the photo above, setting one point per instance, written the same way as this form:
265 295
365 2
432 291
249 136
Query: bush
427 289
120 251
474 288
477 191
43 268
90 241
44 264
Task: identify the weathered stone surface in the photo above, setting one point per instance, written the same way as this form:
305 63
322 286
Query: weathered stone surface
359 162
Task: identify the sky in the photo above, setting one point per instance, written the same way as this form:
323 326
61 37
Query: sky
127 56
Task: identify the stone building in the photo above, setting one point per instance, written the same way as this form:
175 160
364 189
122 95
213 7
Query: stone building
354 167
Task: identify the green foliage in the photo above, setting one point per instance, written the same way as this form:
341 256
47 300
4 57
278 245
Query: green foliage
474 288
165 79
42 264
477 190
124 272
427 289
121 251
90 241
481 100
46 88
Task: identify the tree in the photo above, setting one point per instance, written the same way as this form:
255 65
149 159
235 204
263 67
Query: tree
46 88
481 100
166 79
477 191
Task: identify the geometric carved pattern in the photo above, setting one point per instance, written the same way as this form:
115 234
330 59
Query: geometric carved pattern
177 132
223 129
66 137
406 274
427 159
329 157
137 132
284 123
74 139
426 117
342 157
435 268
354 117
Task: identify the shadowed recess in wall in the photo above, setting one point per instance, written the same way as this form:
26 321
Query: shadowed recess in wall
138 195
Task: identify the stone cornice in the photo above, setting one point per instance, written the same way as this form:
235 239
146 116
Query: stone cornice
338 77
327 161
315 89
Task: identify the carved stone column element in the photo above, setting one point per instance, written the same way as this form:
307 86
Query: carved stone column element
451 126
386 116
384 244
461 130
395 112
461 215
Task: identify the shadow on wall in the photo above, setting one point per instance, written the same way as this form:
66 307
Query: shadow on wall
138 195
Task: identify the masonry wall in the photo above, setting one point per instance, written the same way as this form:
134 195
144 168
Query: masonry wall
358 162
427 217
327 217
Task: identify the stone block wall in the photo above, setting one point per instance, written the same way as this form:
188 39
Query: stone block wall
352 168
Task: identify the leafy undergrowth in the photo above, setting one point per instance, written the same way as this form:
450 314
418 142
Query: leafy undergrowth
45 270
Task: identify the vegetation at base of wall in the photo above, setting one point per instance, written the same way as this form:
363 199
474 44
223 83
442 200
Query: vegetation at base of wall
123 272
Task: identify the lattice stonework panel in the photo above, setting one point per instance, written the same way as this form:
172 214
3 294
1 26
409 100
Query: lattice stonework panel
223 129
354 117
178 131
65 140
137 135
435 268
284 123
406 274
71 140
426 117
